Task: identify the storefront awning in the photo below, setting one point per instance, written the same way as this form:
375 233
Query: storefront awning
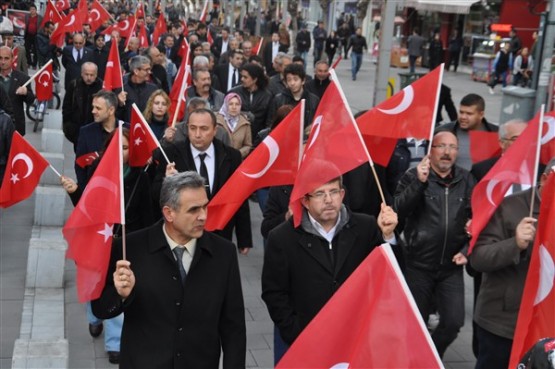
443 6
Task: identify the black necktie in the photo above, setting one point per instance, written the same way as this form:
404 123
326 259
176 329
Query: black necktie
204 172
234 79
178 252
78 56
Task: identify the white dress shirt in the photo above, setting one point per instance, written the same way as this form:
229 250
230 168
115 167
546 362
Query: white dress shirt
190 248
209 161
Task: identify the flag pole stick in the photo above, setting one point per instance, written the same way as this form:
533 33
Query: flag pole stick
152 135
434 114
370 161
54 170
37 73
536 162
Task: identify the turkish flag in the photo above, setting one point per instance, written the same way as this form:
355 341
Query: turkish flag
209 37
15 59
536 317
140 12
143 37
409 113
62 5
179 90
97 15
484 145
272 163
113 78
371 322
257 47
125 27
88 230
204 13
51 14
548 138
334 147
43 84
73 22
159 29
87 159
516 166
83 11
142 140
183 51
24 167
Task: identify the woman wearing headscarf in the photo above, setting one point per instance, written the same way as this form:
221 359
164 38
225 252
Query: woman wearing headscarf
236 124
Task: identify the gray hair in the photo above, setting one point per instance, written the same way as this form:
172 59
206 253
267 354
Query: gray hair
280 56
138 61
200 60
502 127
89 64
173 185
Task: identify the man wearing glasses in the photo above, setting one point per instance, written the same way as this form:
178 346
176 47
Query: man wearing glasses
433 201
305 265
73 57
137 89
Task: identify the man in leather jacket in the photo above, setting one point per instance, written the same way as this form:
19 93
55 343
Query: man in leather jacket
434 201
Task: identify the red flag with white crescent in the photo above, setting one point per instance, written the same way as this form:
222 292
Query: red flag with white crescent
142 140
204 13
24 168
62 5
326 156
51 14
113 77
89 228
143 37
125 27
516 166
159 29
536 316
371 322
97 15
483 145
44 84
547 151
86 159
273 163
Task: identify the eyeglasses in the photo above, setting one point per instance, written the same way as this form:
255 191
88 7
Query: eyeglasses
510 139
146 69
321 195
444 147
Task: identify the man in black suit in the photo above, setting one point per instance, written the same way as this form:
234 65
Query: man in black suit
202 153
73 57
179 287
271 50
305 265
229 74
220 43
12 82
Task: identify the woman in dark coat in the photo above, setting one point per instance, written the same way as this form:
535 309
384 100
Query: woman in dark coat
332 43
435 51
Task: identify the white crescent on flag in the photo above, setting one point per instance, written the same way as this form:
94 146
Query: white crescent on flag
273 148
39 79
408 96
71 21
97 182
94 11
27 160
550 134
126 22
316 128
547 275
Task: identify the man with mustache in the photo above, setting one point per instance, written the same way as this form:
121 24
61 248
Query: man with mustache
434 201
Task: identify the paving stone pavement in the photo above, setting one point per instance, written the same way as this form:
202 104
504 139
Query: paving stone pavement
86 352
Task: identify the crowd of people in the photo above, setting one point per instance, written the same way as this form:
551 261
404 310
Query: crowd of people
176 299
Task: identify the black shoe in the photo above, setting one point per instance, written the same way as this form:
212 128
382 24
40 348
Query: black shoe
113 357
95 330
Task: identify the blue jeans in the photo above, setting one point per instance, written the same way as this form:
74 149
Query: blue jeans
280 347
494 352
356 62
412 62
112 329
446 289
304 55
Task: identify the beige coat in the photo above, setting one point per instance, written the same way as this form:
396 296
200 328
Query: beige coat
241 137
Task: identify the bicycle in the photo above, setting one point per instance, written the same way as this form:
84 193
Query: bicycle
36 111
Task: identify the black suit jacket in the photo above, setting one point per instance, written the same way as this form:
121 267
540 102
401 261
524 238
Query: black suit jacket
73 68
222 72
228 160
170 325
299 277
480 169
17 79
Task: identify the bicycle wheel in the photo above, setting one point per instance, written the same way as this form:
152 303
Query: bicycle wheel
30 111
56 101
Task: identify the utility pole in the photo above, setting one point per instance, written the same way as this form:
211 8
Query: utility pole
384 57
544 64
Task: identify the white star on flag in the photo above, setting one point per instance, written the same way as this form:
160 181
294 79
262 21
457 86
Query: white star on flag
14 178
138 141
106 232
45 84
